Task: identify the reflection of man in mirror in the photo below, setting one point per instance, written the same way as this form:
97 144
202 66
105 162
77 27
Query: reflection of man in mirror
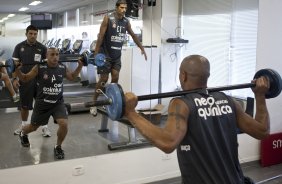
85 44
84 35
72 39
110 40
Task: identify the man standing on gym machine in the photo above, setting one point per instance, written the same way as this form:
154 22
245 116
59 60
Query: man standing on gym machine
28 51
202 126
110 40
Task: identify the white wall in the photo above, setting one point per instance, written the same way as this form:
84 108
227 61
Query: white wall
170 52
152 24
128 167
269 51
13 34
14 29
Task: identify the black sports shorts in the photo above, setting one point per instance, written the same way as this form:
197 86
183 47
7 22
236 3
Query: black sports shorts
40 116
109 65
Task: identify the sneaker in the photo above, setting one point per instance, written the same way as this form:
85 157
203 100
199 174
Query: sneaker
46 132
18 131
24 140
16 98
93 111
58 152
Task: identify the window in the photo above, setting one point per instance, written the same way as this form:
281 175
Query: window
224 31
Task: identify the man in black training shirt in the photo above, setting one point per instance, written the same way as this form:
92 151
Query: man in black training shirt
49 100
110 40
202 126
28 51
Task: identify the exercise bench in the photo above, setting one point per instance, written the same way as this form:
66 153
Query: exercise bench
132 142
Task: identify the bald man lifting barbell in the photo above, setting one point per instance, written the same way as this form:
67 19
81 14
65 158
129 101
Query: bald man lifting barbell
202 126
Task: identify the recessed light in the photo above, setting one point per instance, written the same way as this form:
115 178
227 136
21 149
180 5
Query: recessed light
34 3
23 8
11 15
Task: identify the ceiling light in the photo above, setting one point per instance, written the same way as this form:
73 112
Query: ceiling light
34 3
11 15
5 18
23 8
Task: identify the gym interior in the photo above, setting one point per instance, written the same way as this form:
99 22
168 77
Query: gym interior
238 37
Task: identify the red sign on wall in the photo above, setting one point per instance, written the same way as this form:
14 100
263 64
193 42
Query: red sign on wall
271 150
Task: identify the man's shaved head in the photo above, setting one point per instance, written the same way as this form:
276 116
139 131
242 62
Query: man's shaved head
196 69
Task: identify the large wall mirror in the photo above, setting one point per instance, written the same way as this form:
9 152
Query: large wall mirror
224 31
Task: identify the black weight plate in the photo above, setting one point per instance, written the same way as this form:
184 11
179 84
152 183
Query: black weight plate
274 79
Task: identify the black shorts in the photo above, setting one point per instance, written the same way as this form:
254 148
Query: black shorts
40 116
27 94
109 65
0 75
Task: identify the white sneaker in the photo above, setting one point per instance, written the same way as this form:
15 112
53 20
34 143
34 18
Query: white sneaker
18 131
46 132
93 111
16 98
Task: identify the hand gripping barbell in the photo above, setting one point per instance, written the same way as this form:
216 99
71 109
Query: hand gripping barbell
86 58
115 101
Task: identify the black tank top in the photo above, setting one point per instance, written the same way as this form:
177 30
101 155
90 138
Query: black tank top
208 153
114 37
50 84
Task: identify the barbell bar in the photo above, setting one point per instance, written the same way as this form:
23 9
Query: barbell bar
86 58
115 102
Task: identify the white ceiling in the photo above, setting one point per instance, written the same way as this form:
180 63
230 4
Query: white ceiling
48 6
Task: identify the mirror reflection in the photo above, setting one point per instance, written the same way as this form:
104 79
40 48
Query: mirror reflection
75 34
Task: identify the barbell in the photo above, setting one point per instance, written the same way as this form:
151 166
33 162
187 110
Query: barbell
86 58
115 102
